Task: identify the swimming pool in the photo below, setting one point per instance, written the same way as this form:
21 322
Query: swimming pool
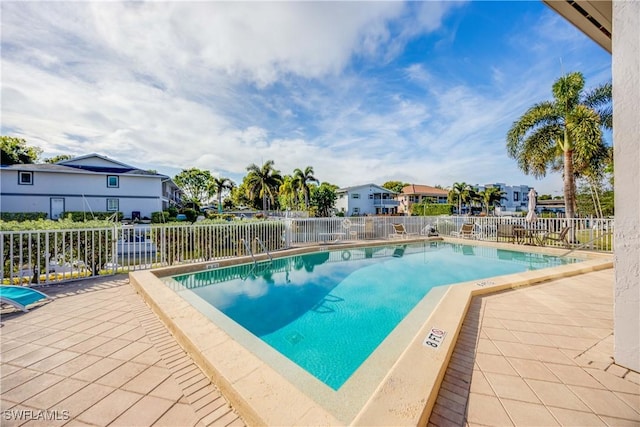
396 385
328 311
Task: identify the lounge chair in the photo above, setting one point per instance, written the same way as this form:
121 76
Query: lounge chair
467 231
429 230
346 224
557 237
400 231
20 296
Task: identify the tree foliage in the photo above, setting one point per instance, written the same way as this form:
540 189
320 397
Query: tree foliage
491 196
196 185
460 192
564 134
58 158
16 151
288 193
218 186
323 199
395 186
302 179
263 181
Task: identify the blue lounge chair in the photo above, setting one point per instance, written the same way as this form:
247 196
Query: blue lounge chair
20 296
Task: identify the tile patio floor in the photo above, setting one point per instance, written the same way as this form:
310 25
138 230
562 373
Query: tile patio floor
534 356
97 355
540 356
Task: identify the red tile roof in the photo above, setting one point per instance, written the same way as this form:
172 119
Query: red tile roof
424 190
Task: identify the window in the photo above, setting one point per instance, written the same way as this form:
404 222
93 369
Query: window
370 196
356 211
412 198
516 196
113 205
355 196
25 178
113 181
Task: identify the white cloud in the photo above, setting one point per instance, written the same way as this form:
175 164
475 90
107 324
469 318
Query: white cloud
220 85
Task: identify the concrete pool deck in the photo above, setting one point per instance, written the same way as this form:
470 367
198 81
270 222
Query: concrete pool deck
542 356
97 355
95 334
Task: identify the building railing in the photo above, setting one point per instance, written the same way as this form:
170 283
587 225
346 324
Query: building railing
52 256
384 203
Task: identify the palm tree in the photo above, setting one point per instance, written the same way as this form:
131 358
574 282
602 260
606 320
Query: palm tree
303 178
563 134
490 196
218 185
287 191
263 181
461 191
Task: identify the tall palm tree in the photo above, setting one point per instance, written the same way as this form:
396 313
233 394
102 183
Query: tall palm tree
218 186
563 134
263 181
303 178
459 190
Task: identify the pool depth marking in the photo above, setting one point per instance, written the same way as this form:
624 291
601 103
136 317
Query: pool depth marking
435 338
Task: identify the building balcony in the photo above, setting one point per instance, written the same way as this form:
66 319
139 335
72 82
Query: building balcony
385 203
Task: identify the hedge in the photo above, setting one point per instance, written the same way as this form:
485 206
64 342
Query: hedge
431 209
80 216
22 216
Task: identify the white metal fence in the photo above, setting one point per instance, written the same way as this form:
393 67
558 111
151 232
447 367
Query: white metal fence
50 256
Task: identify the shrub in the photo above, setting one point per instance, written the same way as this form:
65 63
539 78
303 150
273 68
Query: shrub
159 217
22 216
173 211
80 216
191 214
216 216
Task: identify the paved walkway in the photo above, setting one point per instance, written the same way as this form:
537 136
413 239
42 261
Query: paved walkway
540 356
98 355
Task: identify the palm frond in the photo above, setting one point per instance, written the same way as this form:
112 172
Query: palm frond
567 89
540 115
599 99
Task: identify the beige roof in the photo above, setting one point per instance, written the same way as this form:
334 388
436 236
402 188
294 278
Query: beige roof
424 189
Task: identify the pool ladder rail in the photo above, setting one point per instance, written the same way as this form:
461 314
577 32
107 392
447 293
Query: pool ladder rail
584 245
247 247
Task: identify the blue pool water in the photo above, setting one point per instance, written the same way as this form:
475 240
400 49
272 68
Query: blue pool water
328 311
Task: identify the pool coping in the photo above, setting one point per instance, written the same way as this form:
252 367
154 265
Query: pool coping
405 396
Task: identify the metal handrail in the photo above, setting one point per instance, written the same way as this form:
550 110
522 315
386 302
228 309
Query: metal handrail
264 248
582 245
249 251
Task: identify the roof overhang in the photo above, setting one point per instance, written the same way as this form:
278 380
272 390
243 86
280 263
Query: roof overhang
592 17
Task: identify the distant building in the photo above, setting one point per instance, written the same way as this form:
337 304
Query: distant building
91 183
367 199
516 197
417 193
552 205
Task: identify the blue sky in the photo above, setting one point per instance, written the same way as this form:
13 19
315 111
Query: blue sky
422 92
